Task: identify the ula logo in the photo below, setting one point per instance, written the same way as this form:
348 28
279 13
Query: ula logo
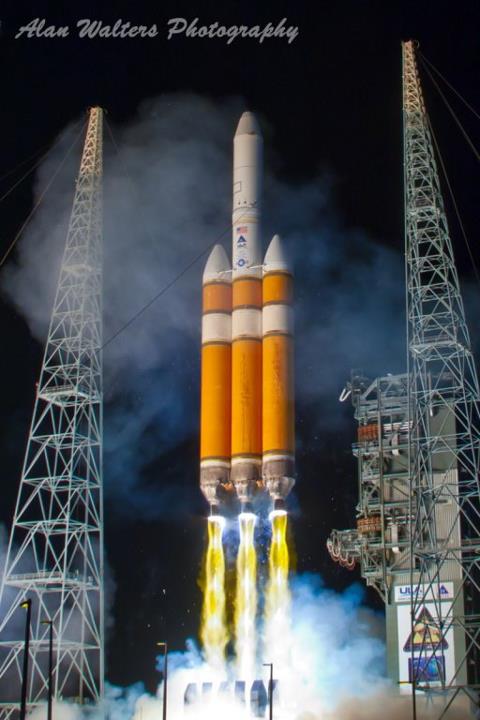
406 590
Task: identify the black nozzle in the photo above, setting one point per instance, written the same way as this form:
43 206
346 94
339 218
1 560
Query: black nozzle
247 507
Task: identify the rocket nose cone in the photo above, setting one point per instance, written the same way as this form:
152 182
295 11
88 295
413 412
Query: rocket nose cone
217 263
248 125
275 257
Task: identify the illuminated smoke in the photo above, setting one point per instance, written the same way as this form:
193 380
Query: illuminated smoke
336 672
134 703
213 631
278 599
246 598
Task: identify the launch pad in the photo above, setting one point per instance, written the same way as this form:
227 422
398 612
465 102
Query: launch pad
253 697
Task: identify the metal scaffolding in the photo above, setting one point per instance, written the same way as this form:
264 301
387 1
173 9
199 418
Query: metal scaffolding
380 542
444 452
55 550
418 519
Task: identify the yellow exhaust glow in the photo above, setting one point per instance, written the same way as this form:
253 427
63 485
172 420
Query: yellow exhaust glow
246 597
213 633
277 605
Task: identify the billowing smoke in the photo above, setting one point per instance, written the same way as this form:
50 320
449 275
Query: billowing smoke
167 199
335 671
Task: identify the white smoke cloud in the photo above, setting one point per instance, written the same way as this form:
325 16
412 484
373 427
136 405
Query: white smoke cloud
136 704
335 672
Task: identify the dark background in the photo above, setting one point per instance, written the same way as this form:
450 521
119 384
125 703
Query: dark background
333 98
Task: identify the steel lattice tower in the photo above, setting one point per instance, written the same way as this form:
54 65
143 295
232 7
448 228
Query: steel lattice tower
443 400
55 551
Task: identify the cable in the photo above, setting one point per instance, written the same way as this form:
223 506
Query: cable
40 199
431 65
169 285
426 64
454 202
12 188
464 132
19 165
164 289
34 166
174 280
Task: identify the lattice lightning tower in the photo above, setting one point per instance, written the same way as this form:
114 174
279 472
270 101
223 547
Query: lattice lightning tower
55 551
444 448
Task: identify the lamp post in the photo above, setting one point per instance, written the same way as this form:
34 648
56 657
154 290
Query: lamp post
50 666
165 675
26 605
270 690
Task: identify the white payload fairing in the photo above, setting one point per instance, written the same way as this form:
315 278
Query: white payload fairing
247 191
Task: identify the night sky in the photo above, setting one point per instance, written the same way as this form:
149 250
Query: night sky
332 101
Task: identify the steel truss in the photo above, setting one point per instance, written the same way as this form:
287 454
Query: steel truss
55 550
418 452
380 542
443 397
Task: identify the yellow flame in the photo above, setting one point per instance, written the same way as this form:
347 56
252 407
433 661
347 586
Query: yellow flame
246 597
213 632
277 601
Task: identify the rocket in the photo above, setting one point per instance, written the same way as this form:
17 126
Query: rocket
247 395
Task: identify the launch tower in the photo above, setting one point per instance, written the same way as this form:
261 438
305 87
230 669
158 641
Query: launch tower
418 526
55 550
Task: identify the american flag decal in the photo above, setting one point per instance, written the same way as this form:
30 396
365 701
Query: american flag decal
243 229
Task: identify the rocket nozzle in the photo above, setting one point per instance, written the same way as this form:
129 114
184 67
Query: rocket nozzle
279 504
246 508
216 518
